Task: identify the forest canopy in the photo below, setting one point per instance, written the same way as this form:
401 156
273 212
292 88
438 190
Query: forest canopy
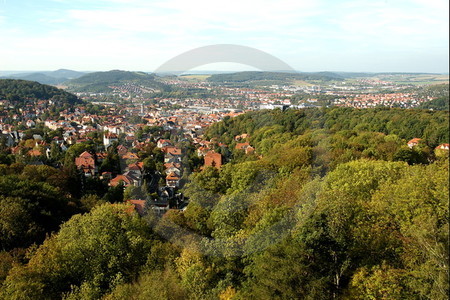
16 90
331 204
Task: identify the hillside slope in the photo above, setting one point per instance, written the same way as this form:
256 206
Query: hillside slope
17 91
101 82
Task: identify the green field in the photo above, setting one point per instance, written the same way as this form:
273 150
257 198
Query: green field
416 79
301 83
195 78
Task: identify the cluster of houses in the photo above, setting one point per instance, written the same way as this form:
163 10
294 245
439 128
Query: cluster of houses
405 100
172 162
133 174
416 141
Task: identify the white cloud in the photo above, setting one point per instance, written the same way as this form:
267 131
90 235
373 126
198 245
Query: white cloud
143 34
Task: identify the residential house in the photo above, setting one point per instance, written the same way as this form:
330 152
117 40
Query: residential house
443 147
7 139
173 180
106 175
213 159
121 149
161 204
86 163
442 150
201 151
136 178
30 123
109 138
241 137
249 150
126 180
101 156
34 152
139 206
414 142
163 143
173 169
129 155
172 164
242 146
172 157
172 150
137 168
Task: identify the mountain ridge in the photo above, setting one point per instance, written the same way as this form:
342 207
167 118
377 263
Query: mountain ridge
46 77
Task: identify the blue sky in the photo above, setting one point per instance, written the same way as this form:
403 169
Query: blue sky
309 35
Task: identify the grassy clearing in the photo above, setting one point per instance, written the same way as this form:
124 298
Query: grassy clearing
301 83
196 78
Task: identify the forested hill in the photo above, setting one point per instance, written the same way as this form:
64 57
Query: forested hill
272 76
18 91
406 124
102 81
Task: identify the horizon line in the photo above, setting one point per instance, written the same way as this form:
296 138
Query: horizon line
207 72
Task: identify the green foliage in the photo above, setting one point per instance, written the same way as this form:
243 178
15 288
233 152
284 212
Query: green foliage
89 256
380 282
417 205
38 207
334 205
88 202
134 192
111 163
285 271
155 285
115 194
208 179
228 215
17 226
407 124
22 90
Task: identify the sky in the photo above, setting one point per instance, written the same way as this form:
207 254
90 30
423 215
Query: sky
309 35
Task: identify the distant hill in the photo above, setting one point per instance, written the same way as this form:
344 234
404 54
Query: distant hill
252 76
100 82
47 77
65 73
17 90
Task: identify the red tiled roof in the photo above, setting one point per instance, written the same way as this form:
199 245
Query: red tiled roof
34 153
443 147
172 176
116 180
85 161
139 206
213 159
129 155
414 141
242 146
85 154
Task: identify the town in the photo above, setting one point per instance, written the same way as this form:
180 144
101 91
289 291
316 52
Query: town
134 140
